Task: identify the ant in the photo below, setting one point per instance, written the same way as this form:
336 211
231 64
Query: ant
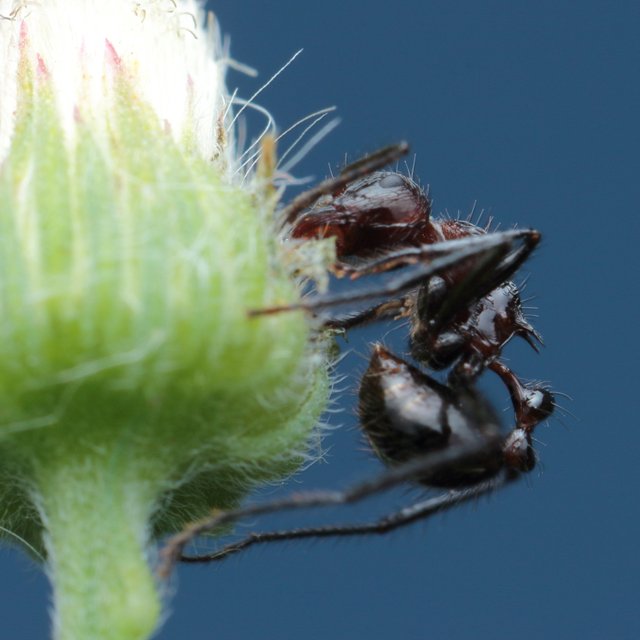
455 288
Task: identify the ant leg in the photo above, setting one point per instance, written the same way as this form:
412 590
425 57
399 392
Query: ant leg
393 308
392 152
351 172
434 259
413 255
484 277
405 516
428 464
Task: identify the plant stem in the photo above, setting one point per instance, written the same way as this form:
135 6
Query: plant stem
97 516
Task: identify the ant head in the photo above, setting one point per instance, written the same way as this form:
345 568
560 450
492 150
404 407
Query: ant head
536 404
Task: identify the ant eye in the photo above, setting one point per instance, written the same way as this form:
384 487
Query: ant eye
391 180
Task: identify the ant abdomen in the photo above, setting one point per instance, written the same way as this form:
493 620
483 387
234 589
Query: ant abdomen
378 211
406 413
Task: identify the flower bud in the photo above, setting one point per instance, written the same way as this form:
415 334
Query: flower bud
136 393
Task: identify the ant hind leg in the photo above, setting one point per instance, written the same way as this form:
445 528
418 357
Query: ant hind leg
396 520
414 469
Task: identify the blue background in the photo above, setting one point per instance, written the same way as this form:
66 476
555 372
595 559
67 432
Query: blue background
531 109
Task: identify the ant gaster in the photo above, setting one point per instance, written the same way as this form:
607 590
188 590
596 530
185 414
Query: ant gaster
454 286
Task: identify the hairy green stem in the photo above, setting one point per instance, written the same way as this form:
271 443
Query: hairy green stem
96 513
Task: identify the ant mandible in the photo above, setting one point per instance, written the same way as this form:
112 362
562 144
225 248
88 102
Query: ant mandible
455 288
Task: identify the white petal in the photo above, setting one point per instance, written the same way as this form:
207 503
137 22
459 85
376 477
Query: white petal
172 58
